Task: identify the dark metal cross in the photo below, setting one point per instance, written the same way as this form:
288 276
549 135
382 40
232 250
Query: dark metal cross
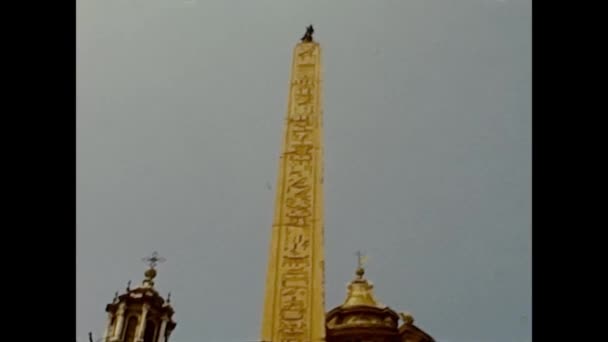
308 35
153 260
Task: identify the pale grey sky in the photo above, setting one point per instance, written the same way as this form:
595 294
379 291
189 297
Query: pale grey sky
428 156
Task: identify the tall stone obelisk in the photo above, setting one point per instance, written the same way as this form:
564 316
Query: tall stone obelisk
294 302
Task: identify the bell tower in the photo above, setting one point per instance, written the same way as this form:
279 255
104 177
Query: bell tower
140 314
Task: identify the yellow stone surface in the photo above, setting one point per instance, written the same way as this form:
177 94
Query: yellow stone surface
294 297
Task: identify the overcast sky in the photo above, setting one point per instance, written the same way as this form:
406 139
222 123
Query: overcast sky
427 148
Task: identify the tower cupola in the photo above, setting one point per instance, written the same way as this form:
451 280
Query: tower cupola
141 314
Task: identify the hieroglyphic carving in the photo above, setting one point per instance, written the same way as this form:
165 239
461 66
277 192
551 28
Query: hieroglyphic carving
297 222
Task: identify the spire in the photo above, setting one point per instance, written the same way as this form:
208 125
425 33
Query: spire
360 291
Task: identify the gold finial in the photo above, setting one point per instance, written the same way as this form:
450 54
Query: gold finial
128 286
150 274
169 298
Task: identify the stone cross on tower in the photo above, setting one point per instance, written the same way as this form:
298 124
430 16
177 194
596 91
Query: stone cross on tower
153 260
150 274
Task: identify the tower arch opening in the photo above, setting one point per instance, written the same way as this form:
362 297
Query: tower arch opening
131 329
150 331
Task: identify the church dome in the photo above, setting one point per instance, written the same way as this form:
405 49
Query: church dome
360 292
361 314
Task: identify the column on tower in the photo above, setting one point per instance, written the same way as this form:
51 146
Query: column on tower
163 326
119 322
107 332
142 324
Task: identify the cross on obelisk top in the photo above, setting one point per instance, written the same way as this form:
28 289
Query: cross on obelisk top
153 260
308 35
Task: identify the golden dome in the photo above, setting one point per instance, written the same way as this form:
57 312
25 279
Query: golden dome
361 310
360 292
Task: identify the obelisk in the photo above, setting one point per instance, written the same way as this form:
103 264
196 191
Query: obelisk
294 300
